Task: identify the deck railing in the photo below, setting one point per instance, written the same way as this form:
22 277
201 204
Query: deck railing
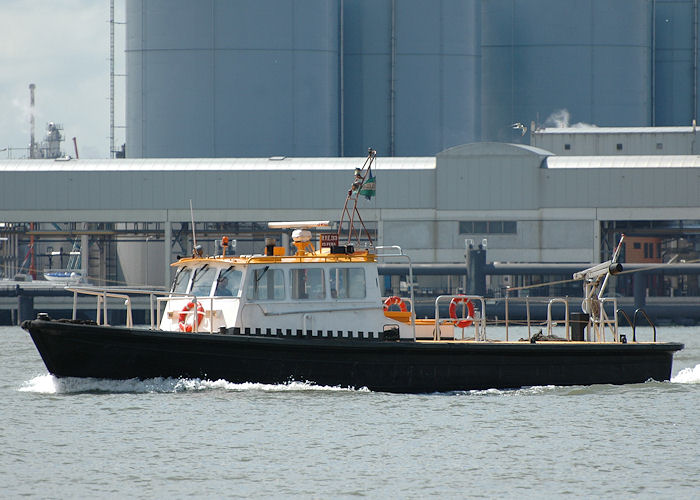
102 294
395 251
598 324
479 323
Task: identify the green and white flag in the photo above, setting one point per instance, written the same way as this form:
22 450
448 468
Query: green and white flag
369 188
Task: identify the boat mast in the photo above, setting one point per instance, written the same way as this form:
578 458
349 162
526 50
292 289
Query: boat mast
361 175
196 249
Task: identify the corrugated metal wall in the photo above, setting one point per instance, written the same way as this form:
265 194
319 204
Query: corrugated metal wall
615 142
557 203
501 177
225 184
479 177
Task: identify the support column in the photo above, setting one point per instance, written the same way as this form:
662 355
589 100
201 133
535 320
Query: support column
639 280
476 271
25 306
167 253
84 254
595 257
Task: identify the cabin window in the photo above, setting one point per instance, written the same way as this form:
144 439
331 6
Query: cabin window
307 284
265 284
182 279
202 281
347 283
228 284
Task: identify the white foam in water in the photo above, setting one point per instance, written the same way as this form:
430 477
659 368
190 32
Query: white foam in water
42 384
524 391
48 384
688 376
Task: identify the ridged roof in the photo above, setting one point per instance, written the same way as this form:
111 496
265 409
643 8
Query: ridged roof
623 161
224 164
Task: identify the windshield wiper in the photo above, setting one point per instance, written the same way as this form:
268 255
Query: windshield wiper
262 274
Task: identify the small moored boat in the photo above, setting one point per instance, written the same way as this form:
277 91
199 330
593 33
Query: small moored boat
318 316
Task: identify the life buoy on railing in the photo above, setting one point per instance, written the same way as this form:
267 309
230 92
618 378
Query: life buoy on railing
462 323
395 301
188 326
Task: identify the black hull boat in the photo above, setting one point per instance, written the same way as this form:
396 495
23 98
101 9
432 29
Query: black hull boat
317 315
78 350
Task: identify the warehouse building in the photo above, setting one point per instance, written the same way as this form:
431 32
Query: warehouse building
131 217
615 141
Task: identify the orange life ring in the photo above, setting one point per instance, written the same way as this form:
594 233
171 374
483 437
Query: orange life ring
395 301
182 319
462 323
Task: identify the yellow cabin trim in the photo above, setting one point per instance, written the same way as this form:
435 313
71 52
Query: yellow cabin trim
316 257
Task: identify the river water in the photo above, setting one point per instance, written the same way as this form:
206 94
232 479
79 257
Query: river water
78 438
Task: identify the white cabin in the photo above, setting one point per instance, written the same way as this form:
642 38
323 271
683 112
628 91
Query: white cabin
315 293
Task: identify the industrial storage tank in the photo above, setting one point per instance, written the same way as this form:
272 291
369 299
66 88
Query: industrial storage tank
589 57
232 78
411 75
675 62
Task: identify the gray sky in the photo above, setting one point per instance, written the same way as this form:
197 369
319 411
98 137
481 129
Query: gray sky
62 46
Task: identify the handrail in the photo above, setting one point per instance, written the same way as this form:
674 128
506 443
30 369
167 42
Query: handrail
410 278
479 324
626 316
527 305
102 293
194 300
296 259
529 322
397 247
566 316
633 322
168 296
651 323
102 301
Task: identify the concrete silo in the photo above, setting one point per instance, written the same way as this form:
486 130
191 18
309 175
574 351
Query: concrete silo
411 75
590 57
218 78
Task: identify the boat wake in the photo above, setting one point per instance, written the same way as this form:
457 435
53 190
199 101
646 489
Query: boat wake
48 384
688 376
523 391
